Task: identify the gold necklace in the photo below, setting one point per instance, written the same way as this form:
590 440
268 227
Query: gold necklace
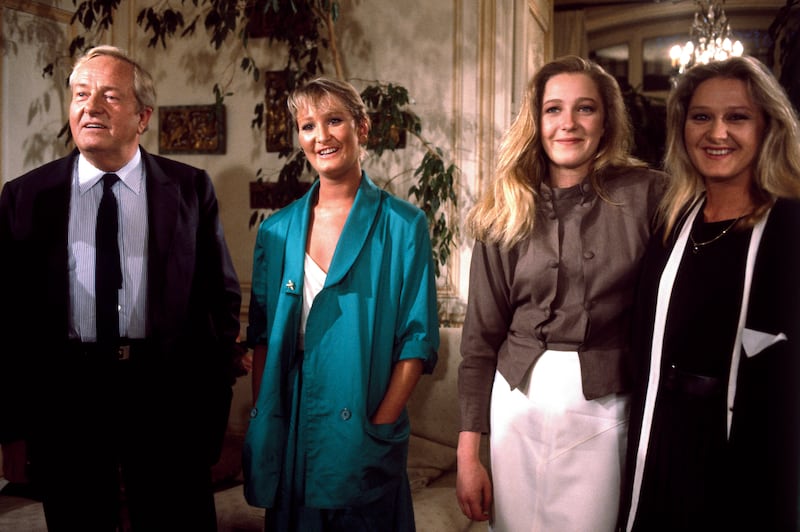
697 245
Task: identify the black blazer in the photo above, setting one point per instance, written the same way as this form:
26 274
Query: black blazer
764 444
193 291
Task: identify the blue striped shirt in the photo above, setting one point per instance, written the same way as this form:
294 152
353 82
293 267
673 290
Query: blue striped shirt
87 189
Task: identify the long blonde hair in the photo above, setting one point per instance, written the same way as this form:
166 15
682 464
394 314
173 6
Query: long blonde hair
777 171
506 212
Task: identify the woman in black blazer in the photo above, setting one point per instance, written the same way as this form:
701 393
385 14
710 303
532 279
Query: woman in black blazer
714 432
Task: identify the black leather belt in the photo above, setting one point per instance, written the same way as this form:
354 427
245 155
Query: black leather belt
692 384
125 349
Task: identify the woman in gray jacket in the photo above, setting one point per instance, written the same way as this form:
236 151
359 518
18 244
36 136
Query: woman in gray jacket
559 232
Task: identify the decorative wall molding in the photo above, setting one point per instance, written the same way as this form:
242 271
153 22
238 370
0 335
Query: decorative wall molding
542 11
498 44
39 9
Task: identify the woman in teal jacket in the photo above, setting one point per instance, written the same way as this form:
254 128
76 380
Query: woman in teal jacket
343 322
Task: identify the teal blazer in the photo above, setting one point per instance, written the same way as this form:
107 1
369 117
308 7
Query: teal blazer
378 306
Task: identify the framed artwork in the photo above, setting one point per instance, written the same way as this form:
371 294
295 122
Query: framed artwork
277 120
191 129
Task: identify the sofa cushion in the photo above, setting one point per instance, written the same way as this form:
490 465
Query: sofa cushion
433 407
436 509
427 461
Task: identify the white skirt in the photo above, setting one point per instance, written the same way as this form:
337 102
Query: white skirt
556 458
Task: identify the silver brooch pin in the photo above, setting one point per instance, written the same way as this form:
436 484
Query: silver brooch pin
290 285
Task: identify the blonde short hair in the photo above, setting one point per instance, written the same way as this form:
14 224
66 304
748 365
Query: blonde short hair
321 88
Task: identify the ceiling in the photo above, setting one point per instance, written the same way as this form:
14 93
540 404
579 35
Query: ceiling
565 5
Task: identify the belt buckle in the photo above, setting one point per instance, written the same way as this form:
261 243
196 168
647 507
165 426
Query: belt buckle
123 352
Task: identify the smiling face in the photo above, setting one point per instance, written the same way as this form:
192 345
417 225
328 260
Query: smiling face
104 115
331 138
572 118
724 130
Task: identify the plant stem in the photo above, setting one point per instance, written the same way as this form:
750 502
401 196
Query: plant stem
327 17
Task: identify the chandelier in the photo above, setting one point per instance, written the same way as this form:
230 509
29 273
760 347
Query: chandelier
709 38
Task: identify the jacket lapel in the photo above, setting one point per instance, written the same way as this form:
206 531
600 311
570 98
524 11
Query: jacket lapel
163 202
52 222
296 247
356 230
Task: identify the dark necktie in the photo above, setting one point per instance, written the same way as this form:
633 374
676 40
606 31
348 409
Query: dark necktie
108 273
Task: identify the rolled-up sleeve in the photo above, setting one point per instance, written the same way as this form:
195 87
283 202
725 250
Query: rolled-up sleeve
418 322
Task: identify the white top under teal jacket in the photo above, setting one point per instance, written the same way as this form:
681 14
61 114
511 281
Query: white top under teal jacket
378 306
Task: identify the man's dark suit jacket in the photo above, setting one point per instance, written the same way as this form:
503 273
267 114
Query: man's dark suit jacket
193 291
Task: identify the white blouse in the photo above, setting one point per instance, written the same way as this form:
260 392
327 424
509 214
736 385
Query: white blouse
313 281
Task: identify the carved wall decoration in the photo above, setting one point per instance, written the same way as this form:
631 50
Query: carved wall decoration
277 120
187 129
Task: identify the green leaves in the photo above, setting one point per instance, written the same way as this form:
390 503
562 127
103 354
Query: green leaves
434 189
433 192
221 20
219 95
390 120
162 24
91 12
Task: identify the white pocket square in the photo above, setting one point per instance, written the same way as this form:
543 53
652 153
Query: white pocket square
756 341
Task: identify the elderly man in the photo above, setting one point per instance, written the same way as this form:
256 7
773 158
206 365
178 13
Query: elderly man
119 313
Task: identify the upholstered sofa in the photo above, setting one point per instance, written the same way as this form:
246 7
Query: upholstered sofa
431 462
433 409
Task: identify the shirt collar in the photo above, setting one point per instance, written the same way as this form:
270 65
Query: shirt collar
585 190
131 174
